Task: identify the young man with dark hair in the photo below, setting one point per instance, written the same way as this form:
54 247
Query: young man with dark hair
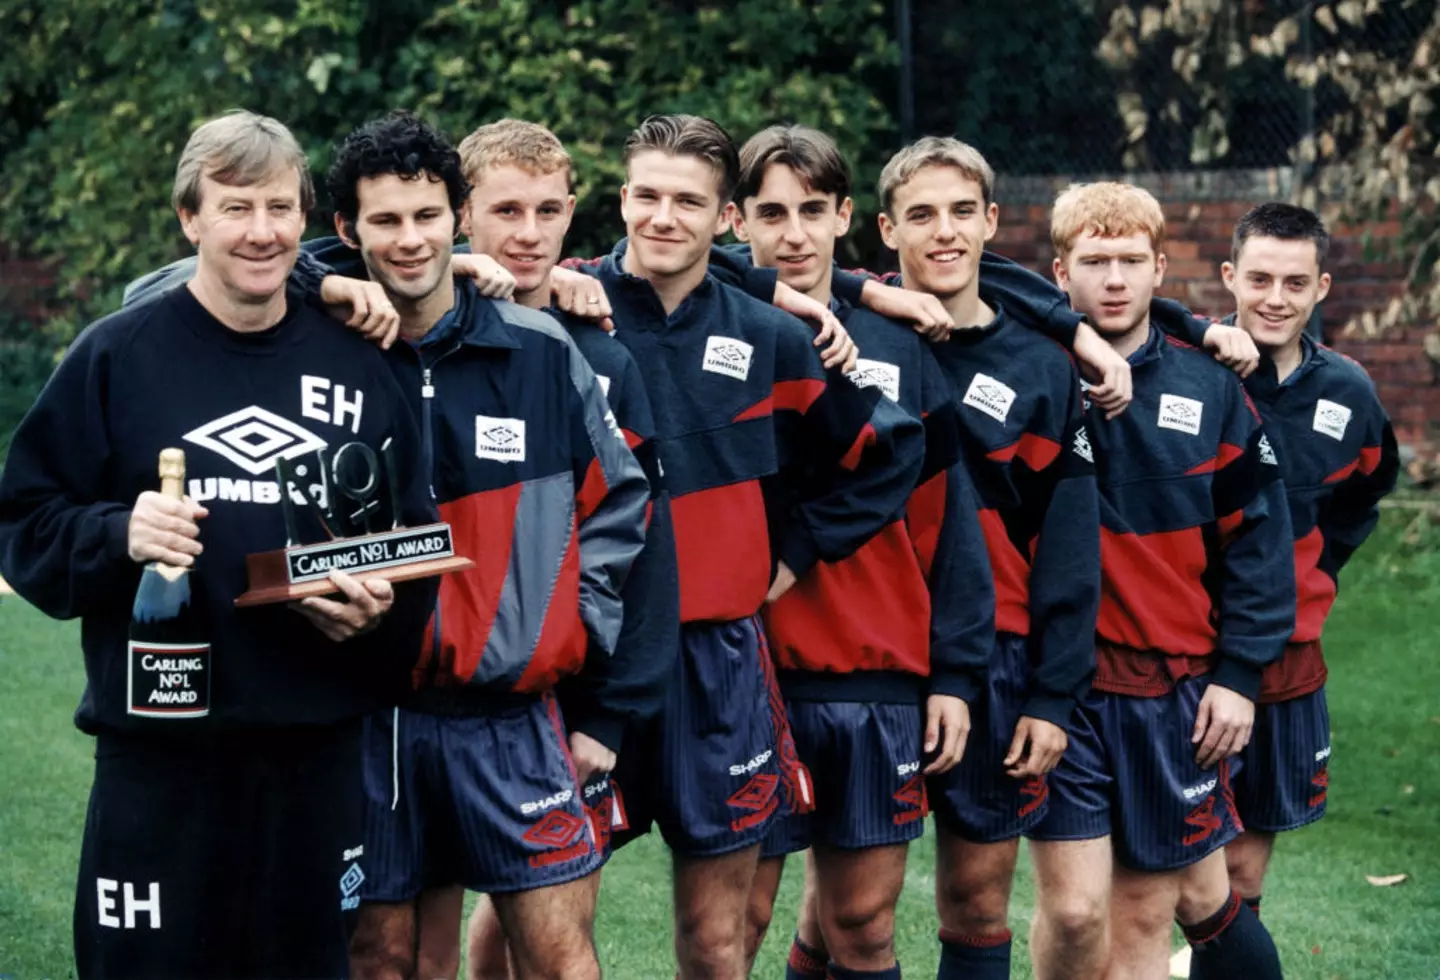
1198 600
881 654
744 410
261 760
1339 458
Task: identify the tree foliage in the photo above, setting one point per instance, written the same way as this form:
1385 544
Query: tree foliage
1371 71
98 97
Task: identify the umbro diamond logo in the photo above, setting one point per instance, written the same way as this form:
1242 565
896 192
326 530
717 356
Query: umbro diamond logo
728 356
502 440
877 374
992 397
253 439
1331 418
1180 414
1082 445
1267 454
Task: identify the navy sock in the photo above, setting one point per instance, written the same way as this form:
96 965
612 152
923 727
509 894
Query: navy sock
805 963
974 957
837 972
1232 943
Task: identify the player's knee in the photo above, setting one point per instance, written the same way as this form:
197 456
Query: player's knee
758 916
1077 919
861 931
563 956
376 954
1246 872
972 906
713 940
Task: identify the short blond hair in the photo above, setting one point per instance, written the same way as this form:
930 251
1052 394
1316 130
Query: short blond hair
514 142
935 151
241 149
1107 209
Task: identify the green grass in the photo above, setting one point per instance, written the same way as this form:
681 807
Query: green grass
1328 922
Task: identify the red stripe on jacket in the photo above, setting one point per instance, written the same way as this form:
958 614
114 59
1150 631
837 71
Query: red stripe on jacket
1012 576
1037 451
868 612
722 551
1152 596
795 396
482 527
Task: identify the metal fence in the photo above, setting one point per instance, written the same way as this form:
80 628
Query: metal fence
1026 81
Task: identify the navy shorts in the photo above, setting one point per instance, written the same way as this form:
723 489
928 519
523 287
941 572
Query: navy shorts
1283 774
717 765
976 800
1130 772
865 761
490 803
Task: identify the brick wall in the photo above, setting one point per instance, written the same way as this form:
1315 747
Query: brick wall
1200 211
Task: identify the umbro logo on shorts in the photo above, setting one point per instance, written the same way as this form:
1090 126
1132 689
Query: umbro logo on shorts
728 356
502 440
1082 445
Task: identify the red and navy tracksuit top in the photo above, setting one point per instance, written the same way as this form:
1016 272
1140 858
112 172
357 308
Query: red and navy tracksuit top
916 601
1024 437
628 686
1338 458
743 409
1195 531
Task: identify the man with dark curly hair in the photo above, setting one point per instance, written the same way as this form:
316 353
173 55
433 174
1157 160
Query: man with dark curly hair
470 781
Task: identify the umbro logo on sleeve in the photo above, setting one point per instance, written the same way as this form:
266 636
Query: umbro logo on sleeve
877 374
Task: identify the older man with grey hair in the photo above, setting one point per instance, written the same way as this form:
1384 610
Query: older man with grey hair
224 825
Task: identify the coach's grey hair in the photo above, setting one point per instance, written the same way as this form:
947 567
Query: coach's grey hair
239 148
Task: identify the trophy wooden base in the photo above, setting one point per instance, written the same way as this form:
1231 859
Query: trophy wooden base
300 571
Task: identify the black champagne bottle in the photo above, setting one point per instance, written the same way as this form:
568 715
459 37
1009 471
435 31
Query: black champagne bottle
169 669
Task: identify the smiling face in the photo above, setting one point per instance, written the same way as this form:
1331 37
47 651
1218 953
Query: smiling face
1277 284
793 227
404 229
1111 280
938 223
519 219
672 210
246 237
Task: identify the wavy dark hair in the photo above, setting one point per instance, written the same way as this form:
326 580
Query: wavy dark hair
400 143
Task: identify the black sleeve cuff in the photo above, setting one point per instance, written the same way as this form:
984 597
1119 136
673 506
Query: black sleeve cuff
963 684
798 550
1238 676
1048 707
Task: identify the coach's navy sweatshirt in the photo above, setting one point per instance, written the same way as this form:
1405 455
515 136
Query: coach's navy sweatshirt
169 374
1338 457
742 404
